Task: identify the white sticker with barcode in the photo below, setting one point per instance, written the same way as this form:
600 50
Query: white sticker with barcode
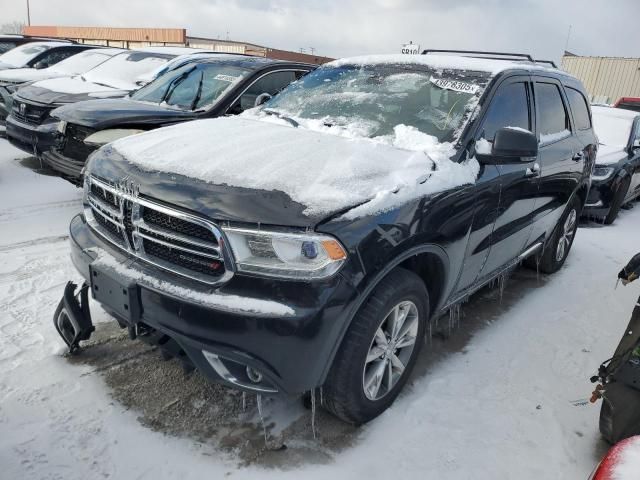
455 85
226 78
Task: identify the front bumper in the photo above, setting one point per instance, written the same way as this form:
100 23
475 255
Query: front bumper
33 139
600 197
293 352
69 168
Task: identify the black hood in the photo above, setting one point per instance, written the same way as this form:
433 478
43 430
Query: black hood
219 202
38 94
107 113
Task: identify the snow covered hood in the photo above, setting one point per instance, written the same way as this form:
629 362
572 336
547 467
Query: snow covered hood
67 90
22 75
326 173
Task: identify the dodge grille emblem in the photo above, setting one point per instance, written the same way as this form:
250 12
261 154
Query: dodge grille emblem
23 107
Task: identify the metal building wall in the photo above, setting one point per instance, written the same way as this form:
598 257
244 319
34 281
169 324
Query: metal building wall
606 78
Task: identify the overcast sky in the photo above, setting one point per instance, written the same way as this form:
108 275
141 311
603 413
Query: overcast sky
350 27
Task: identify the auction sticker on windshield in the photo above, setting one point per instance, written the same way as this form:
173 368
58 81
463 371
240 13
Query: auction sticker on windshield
226 78
455 85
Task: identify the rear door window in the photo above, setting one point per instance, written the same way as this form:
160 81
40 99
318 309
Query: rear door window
579 108
509 108
553 121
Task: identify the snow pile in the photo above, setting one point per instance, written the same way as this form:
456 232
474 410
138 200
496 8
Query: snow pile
628 464
325 173
229 303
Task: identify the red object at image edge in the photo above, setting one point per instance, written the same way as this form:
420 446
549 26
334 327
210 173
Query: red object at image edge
607 467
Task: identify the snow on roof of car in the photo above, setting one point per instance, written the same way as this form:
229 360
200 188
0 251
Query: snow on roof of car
628 460
172 50
324 172
608 111
453 62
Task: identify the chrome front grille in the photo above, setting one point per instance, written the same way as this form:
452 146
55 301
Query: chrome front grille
168 238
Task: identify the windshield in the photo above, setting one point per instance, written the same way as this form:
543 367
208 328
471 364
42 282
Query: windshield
122 71
22 55
376 98
192 86
80 62
612 130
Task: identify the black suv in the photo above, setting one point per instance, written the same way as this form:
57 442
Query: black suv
200 88
311 243
9 41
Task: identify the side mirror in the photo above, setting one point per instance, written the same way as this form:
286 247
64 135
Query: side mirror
262 98
40 65
513 145
636 144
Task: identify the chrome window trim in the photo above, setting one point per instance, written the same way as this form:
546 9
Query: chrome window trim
123 194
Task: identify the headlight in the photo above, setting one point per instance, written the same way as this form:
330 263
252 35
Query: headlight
285 255
107 136
602 173
62 127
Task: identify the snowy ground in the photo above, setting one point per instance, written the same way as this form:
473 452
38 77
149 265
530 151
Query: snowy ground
495 400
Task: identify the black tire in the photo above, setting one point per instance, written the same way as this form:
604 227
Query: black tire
549 262
618 201
344 391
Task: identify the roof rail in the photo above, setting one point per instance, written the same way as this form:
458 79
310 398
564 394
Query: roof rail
550 62
521 56
518 57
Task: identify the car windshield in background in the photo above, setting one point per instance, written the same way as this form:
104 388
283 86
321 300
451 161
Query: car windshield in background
122 71
374 99
80 62
192 86
613 130
20 56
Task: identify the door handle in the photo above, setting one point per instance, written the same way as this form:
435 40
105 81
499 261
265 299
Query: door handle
577 157
533 171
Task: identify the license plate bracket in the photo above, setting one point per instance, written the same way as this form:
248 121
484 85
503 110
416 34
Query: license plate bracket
121 297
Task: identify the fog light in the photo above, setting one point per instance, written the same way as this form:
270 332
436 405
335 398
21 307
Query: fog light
254 375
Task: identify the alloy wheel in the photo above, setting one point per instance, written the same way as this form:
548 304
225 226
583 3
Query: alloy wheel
390 350
566 236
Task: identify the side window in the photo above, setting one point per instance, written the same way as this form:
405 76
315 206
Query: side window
552 116
509 108
579 108
6 46
52 57
271 84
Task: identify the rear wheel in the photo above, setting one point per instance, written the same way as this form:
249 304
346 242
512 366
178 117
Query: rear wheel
379 350
558 247
618 201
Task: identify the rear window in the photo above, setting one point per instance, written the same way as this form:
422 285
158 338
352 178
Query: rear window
553 122
579 108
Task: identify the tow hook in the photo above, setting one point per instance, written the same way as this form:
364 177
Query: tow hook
72 318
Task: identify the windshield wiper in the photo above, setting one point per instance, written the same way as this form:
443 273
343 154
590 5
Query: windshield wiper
199 92
175 82
281 117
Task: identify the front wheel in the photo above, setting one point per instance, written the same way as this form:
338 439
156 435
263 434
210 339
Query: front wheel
379 350
558 247
618 201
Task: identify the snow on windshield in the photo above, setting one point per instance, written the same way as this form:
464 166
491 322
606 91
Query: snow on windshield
81 62
613 126
325 173
371 100
122 71
20 56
